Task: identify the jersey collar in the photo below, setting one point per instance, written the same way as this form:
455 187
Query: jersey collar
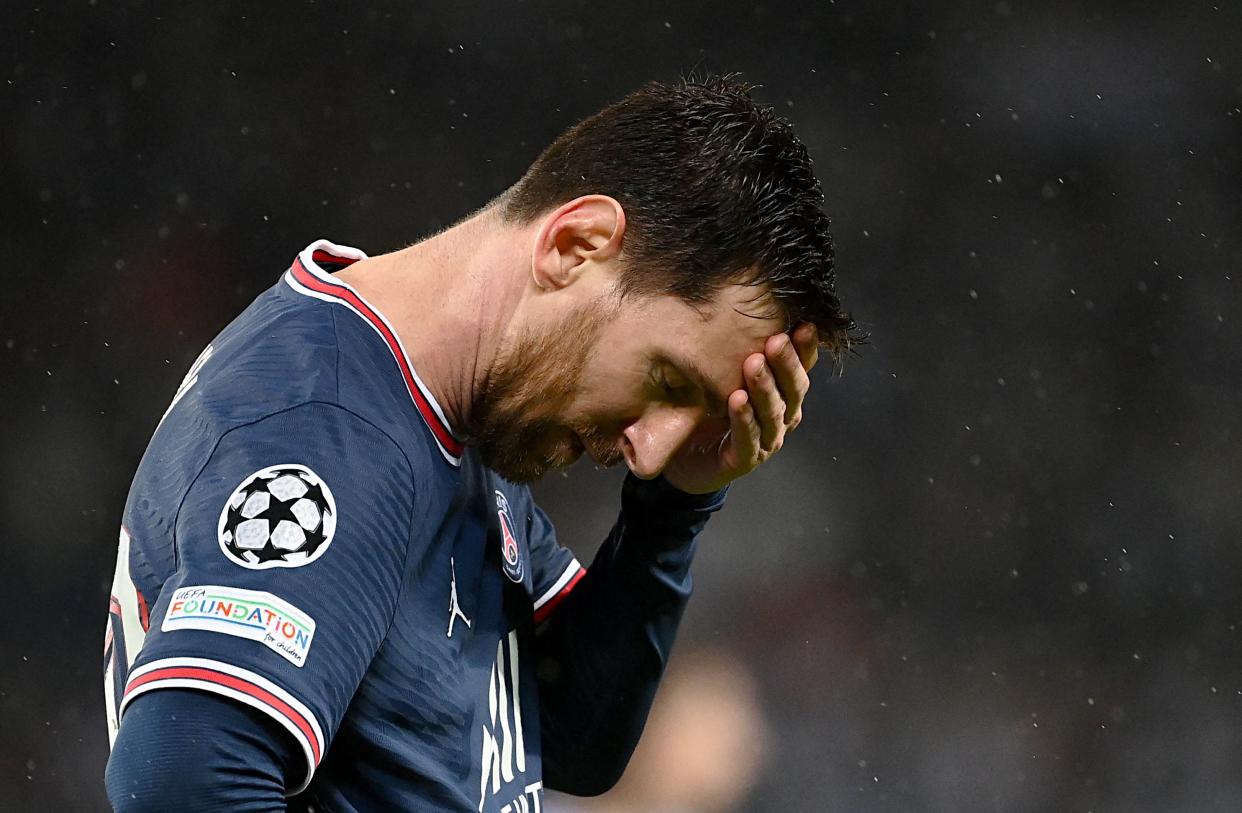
311 275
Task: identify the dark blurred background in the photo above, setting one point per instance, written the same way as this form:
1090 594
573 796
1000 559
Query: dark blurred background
1000 566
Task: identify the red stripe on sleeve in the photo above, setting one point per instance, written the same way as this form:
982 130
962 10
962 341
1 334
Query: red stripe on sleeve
237 684
546 610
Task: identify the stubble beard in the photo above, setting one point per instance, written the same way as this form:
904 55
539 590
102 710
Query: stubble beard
518 407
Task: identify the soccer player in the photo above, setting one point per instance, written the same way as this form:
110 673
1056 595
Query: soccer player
334 591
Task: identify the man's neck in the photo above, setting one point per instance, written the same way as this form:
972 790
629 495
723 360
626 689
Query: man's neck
450 299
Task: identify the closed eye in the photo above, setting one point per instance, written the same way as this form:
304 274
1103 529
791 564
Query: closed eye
684 384
674 391
666 388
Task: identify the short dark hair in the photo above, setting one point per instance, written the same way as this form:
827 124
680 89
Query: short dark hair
716 189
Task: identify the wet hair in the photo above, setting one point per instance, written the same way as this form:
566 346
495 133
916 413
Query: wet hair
716 189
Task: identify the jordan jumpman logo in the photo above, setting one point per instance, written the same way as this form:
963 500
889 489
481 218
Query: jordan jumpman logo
454 607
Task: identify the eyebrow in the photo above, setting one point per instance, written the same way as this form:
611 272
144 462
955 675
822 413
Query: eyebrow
716 404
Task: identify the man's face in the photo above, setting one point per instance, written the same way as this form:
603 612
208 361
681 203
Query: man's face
632 382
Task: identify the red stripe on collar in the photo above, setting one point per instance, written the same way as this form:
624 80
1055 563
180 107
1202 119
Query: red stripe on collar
423 401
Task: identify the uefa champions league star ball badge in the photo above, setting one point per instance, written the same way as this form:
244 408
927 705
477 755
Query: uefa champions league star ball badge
510 553
280 516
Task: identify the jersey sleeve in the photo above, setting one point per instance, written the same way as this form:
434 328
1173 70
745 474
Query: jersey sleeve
161 761
290 550
555 571
605 647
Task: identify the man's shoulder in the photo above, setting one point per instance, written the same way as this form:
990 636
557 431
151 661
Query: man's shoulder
283 351
295 374
279 352
279 357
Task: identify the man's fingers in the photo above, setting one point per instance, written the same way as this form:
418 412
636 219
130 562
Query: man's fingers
743 427
806 342
766 400
791 379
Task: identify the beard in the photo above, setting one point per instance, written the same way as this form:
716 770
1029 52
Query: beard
514 420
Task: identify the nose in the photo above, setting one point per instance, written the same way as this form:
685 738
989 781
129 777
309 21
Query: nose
650 442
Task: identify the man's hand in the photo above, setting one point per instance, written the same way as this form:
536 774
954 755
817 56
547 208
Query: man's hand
760 416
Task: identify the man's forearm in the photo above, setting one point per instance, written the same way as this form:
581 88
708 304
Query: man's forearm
603 651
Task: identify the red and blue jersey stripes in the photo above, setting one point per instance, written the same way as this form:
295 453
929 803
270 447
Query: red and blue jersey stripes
307 276
559 591
240 684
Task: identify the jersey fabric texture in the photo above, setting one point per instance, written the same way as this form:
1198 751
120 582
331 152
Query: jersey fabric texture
306 536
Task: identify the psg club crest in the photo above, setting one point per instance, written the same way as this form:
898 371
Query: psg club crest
281 516
511 554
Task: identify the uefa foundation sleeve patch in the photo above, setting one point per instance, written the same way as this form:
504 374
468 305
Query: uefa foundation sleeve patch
253 614
280 516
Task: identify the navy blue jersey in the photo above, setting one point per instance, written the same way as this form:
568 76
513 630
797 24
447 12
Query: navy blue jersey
306 535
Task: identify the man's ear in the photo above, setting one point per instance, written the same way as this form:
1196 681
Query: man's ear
587 228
